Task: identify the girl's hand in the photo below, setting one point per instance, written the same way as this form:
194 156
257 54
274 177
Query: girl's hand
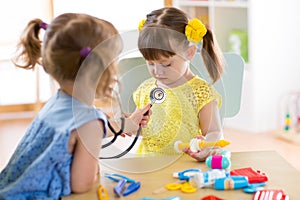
203 154
139 117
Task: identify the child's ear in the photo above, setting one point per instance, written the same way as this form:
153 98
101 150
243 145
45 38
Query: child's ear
190 52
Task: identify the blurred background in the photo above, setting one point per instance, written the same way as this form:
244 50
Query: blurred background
265 33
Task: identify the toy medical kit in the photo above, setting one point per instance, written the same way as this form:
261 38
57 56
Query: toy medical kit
120 188
218 162
186 174
254 176
270 195
196 144
184 187
225 153
207 179
164 189
211 197
168 198
131 188
231 182
252 188
102 193
117 177
157 95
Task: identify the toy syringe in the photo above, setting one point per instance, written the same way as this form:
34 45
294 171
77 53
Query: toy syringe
195 145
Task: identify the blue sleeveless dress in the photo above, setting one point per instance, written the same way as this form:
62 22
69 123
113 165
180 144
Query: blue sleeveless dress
40 166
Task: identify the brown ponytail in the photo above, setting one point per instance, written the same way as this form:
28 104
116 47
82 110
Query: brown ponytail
29 47
212 56
172 18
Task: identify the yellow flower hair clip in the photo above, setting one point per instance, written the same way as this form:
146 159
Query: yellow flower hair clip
195 30
141 24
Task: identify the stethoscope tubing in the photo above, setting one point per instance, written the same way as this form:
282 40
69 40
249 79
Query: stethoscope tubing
116 134
127 150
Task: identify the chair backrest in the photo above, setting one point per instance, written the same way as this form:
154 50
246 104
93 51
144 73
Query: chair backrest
133 71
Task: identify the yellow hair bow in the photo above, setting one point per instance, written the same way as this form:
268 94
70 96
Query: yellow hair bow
195 30
141 24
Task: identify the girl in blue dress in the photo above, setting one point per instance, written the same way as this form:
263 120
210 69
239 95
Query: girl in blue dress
59 153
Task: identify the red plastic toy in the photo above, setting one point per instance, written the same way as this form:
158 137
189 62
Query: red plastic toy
211 197
270 195
254 176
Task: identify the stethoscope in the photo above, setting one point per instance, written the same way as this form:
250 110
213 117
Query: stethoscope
157 96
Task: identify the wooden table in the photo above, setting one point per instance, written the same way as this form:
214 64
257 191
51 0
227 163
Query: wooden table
281 176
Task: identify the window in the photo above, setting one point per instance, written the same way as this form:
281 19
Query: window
125 15
19 86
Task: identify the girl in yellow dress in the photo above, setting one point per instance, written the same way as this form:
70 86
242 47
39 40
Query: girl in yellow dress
168 40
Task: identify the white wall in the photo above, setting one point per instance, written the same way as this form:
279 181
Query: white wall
275 68
125 15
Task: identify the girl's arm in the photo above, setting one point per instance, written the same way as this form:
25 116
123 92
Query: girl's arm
84 167
210 123
87 145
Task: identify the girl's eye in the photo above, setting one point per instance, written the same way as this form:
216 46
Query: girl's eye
168 65
163 65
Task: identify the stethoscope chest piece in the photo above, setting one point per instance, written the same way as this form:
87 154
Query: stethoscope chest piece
157 95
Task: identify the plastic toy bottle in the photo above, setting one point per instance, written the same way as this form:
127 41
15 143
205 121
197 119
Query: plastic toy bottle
196 145
231 182
207 179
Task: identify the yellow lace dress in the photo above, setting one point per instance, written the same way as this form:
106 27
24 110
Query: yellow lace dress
177 117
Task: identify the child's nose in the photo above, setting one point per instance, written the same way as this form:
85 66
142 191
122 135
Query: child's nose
158 70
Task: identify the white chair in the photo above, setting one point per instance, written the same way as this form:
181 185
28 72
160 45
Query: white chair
133 71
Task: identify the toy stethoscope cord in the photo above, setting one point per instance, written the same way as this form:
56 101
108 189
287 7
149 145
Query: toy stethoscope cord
157 95
116 134
127 150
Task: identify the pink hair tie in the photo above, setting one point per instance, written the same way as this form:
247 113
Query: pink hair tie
43 25
85 51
